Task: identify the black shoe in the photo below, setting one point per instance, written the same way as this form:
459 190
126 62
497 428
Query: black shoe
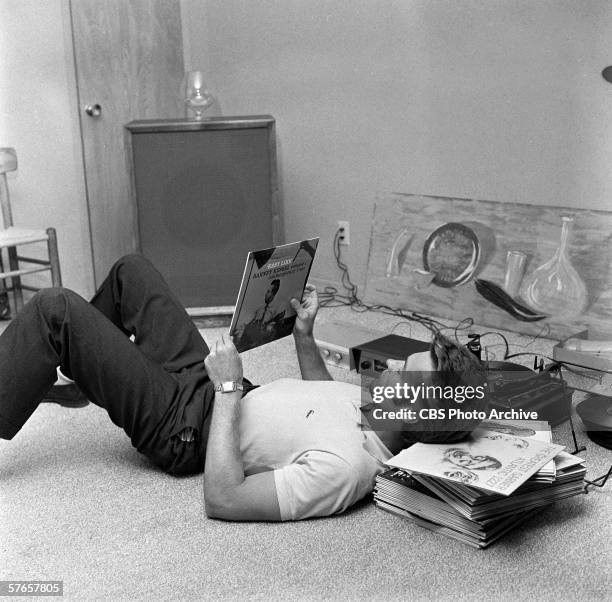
69 396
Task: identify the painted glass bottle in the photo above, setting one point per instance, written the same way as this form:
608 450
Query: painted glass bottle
555 288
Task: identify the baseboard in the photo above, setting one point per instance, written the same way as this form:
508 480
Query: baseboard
204 312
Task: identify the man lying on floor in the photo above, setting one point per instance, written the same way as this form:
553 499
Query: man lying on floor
287 450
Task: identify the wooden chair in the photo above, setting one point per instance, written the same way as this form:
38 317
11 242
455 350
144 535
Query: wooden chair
12 237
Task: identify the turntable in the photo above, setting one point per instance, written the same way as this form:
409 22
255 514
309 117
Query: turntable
596 414
513 386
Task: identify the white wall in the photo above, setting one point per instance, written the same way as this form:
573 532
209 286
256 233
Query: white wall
500 100
39 118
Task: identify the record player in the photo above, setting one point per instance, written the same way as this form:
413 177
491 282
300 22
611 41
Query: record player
513 386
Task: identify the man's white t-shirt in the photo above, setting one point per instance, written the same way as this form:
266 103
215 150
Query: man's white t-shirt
309 434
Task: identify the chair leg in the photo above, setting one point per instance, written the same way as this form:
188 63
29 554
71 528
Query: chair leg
56 275
5 308
15 280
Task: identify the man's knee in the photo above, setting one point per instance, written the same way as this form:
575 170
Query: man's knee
54 301
132 261
131 267
54 294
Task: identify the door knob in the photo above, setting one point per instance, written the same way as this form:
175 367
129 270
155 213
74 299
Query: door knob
93 110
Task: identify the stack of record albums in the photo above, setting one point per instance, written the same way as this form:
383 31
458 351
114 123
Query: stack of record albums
478 490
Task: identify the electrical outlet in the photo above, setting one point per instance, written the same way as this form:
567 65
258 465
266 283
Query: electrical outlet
345 233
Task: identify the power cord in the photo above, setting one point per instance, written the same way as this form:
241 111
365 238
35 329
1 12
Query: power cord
331 297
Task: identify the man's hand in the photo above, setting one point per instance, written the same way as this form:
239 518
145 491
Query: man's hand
306 311
223 363
311 363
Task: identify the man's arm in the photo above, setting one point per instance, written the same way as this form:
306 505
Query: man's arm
228 493
311 363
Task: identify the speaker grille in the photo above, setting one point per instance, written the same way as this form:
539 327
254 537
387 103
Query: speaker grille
204 200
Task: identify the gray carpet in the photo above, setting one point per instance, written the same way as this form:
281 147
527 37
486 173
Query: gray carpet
78 504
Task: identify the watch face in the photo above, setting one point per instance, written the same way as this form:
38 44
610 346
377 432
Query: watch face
228 387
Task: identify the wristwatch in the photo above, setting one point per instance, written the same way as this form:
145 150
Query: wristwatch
229 386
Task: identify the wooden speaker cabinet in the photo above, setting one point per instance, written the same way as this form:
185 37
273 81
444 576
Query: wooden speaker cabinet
206 194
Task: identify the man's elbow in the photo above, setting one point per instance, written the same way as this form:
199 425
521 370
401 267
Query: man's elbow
214 510
239 502
213 503
210 503
224 510
218 503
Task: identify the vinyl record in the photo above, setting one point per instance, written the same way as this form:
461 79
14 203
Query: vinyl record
600 438
501 374
592 426
596 412
498 366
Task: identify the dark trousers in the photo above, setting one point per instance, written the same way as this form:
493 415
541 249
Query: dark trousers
152 388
